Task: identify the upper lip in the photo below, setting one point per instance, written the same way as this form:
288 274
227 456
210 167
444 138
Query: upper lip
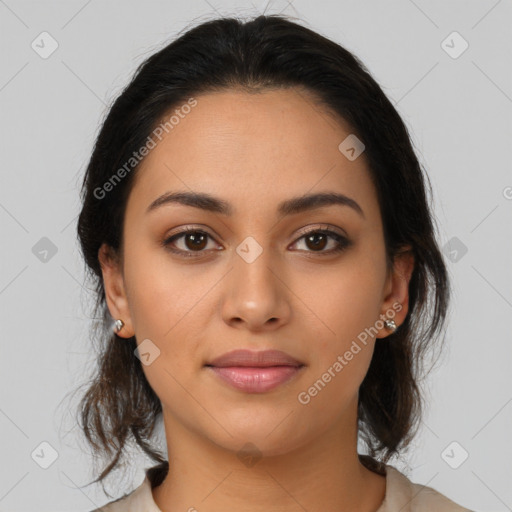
259 359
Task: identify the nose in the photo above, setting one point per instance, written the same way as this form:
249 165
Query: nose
256 296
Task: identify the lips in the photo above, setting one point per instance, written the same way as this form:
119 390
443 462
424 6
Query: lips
255 372
249 358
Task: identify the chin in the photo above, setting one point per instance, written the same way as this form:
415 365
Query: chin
257 442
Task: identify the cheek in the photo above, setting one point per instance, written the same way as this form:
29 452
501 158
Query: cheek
347 307
162 302
168 306
341 360
159 293
347 303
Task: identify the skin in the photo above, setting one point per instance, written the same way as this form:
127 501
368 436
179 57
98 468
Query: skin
254 151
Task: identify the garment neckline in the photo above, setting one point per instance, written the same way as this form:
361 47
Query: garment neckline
155 475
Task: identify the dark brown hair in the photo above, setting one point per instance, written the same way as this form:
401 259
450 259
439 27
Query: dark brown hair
119 405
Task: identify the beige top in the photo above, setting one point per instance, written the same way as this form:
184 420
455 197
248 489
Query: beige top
401 496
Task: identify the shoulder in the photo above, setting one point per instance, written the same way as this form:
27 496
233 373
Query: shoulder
139 500
407 496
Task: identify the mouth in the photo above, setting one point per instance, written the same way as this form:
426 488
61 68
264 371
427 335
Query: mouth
255 372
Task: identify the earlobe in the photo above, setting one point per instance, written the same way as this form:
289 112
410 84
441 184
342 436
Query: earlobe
396 303
115 294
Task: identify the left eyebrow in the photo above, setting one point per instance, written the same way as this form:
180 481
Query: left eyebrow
291 206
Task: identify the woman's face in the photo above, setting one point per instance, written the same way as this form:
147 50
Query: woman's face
251 279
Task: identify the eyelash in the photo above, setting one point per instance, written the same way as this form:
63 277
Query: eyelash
342 242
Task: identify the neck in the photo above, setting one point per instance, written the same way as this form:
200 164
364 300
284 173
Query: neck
324 474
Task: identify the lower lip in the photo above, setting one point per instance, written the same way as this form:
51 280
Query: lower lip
255 380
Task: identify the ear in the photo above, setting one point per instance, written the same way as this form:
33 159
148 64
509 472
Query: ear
115 293
395 305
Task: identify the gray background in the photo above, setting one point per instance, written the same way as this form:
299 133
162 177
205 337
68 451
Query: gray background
459 113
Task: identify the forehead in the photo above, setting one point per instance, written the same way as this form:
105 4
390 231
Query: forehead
253 149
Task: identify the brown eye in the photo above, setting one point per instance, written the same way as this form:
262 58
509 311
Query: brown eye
191 241
318 240
195 240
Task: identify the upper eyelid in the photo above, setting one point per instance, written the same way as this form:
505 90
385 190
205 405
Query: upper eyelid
320 227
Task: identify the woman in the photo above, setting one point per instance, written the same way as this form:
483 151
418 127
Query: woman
256 224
